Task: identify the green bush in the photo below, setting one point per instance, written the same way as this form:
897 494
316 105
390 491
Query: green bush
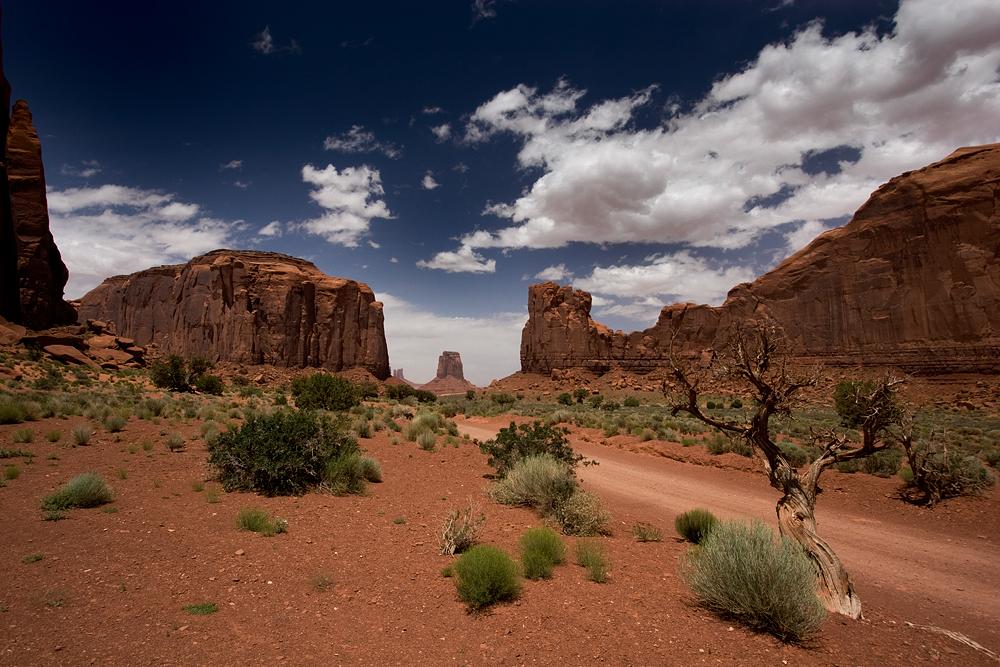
884 463
11 411
694 525
595 401
170 373
470 394
941 472
426 440
22 436
259 521
284 453
631 402
538 481
175 442
322 391
541 550
347 474
399 392
210 384
590 555
517 442
582 514
485 575
565 398
736 404
86 490
115 422
796 456
740 571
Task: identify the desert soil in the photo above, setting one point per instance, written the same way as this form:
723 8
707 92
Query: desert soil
111 586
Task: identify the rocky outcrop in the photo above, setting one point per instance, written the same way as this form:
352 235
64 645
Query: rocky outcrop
248 307
912 281
32 273
450 377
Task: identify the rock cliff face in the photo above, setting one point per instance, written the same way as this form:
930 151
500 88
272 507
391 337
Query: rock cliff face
32 274
450 377
249 307
912 281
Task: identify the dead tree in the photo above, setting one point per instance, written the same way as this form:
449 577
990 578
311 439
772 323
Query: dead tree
755 359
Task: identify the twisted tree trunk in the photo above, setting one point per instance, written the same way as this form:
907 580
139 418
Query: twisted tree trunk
797 521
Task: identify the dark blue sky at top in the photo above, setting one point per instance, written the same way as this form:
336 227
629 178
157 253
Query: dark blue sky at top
163 93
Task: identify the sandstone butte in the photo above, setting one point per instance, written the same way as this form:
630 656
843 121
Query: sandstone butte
247 307
32 273
912 281
450 378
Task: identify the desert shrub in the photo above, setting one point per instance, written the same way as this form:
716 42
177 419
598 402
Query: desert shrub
646 532
866 403
202 608
82 435
631 402
322 391
485 575
11 411
611 406
175 442
53 436
347 474
170 373
503 398
470 394
461 529
740 571
939 472
258 521
710 405
22 436
362 429
426 440
517 442
736 404
541 550
210 384
884 463
538 481
85 490
115 422
590 555
796 456
11 472
400 392
595 401
284 453
647 435
582 514
992 457
694 525
565 398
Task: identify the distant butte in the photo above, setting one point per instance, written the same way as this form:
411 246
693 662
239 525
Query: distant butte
450 377
912 281
247 307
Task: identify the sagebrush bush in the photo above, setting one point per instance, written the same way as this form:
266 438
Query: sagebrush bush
284 453
941 472
461 529
741 571
82 435
427 440
170 373
694 525
582 514
883 464
85 490
538 481
541 550
258 521
322 391
11 411
590 555
517 442
210 384
115 422
22 436
485 575
347 474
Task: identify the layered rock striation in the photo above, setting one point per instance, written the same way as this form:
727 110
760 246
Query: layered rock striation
248 307
911 281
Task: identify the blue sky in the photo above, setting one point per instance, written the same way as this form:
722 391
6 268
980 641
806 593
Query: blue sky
450 153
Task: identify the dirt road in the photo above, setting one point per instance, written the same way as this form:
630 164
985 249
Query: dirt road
913 573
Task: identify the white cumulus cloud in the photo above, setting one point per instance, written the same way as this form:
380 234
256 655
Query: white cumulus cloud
359 140
463 260
428 182
556 273
352 198
114 229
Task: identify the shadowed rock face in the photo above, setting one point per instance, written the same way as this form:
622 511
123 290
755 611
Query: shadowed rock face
249 307
32 274
450 366
912 281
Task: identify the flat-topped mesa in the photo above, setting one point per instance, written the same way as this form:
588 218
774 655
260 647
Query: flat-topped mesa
248 307
912 281
450 377
450 365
